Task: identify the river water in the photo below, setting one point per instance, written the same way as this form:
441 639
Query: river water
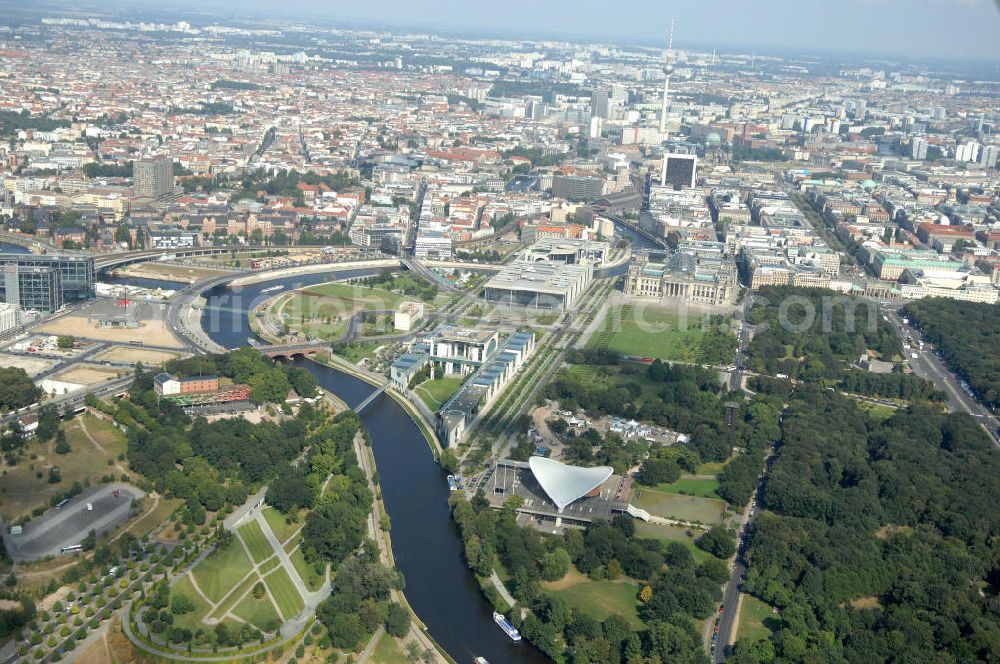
425 541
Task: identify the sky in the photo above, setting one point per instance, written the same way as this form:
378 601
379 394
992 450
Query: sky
950 29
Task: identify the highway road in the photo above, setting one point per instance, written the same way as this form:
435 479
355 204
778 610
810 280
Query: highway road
926 364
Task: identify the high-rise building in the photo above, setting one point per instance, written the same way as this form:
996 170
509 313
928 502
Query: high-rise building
679 170
599 104
76 272
968 152
577 188
10 320
918 148
153 178
989 156
37 288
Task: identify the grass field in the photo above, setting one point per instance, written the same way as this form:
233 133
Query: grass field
259 547
258 612
322 311
597 599
435 393
691 487
387 652
287 597
192 619
757 620
107 436
232 598
21 488
671 534
876 411
217 574
649 332
279 526
713 467
306 571
684 508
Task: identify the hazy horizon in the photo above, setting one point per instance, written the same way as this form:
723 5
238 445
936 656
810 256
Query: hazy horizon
933 29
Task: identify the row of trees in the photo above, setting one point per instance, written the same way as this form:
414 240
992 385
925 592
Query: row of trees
968 335
875 545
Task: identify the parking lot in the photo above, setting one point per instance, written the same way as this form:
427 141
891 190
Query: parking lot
58 528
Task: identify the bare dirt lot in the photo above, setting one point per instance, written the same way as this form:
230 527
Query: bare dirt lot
152 332
84 374
31 365
133 354
171 272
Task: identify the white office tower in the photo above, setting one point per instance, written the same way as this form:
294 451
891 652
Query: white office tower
918 148
968 152
596 126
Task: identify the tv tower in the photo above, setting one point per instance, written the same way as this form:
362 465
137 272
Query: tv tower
668 70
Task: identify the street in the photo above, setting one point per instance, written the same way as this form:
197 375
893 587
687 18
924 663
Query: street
927 364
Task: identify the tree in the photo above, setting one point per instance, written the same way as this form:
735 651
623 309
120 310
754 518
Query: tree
718 541
555 564
62 445
65 341
180 604
397 621
645 594
449 462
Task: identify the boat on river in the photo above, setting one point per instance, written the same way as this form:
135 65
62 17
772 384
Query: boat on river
505 625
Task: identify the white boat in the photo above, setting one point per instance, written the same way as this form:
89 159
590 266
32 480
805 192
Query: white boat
505 625
480 660
272 289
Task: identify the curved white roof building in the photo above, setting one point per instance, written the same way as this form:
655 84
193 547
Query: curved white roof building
563 483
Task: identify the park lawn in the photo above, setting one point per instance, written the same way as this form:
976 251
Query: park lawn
107 435
435 393
691 487
876 411
147 523
217 574
597 599
284 593
306 571
279 526
666 534
388 652
258 612
356 351
254 538
269 565
713 467
684 508
22 491
192 619
368 299
233 598
757 621
649 332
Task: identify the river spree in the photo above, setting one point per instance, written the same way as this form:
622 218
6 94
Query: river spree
425 541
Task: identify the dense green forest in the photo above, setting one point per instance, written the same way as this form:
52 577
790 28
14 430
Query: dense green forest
968 336
879 542
680 591
814 334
